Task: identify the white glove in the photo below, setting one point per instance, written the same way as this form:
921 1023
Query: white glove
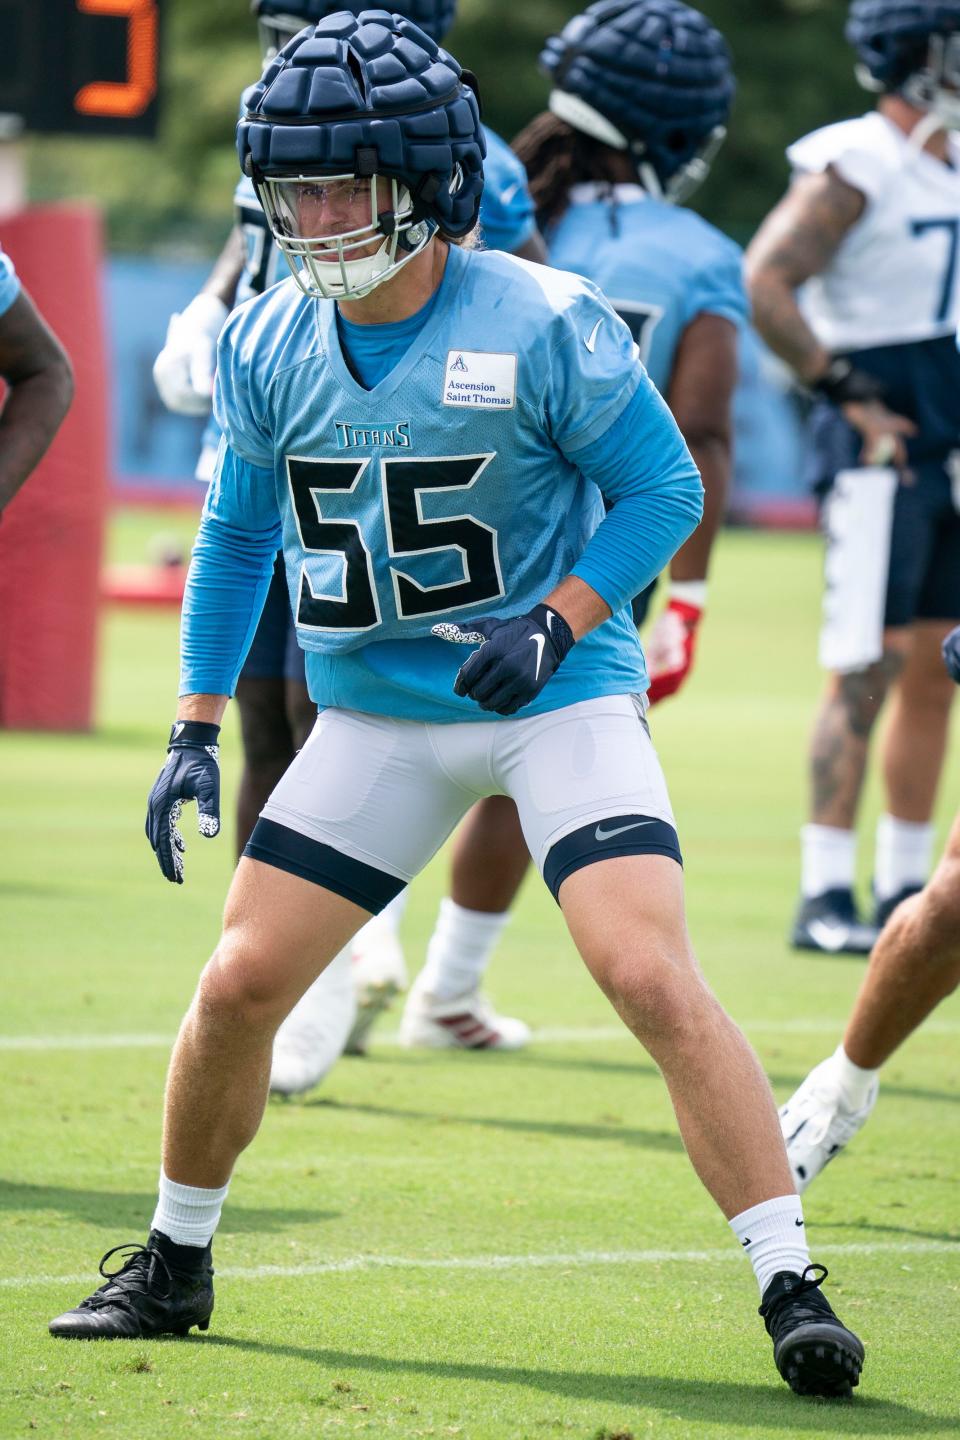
183 371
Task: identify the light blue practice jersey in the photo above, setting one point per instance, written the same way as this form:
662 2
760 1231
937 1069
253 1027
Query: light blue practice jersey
466 484
659 265
506 208
9 284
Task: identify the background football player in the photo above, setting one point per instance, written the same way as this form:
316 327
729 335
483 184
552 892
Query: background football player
642 93
915 964
869 228
426 489
39 378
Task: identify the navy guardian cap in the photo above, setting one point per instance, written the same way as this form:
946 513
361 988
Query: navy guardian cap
652 77
369 99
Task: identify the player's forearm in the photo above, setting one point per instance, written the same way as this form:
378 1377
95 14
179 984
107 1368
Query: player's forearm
579 604
778 318
223 599
228 267
31 417
712 457
206 708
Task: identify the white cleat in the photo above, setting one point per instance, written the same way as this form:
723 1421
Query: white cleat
313 1036
379 976
817 1123
468 1022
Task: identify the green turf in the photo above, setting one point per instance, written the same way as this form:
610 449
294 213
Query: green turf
565 1152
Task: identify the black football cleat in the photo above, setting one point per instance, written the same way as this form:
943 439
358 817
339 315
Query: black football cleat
149 1295
815 1353
830 923
883 909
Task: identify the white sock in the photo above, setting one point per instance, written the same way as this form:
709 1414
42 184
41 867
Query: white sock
829 859
392 914
460 949
854 1081
904 855
774 1237
186 1214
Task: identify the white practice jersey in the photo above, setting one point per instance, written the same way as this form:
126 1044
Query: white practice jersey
893 279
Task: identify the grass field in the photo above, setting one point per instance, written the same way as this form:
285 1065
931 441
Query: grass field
493 1247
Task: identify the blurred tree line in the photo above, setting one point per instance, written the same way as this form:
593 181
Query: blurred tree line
174 194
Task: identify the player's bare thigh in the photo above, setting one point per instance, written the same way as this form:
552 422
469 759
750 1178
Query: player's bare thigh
626 918
280 932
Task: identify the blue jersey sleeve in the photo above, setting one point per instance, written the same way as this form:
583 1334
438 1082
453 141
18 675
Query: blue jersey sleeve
229 575
506 209
9 283
718 288
593 371
238 404
646 474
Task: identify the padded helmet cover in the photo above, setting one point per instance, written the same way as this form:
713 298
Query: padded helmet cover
364 95
891 37
656 69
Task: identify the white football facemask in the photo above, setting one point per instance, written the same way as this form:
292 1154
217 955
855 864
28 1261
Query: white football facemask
338 264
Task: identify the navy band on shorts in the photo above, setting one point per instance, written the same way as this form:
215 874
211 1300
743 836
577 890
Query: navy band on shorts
298 854
613 836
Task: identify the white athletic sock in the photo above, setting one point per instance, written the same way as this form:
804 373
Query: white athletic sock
854 1081
774 1237
829 857
460 949
392 914
903 857
186 1214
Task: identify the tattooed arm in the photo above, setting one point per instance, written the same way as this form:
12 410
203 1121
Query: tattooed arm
798 239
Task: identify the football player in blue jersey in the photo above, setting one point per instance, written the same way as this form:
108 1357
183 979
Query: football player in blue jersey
869 229
275 709
914 965
39 378
465 609
642 93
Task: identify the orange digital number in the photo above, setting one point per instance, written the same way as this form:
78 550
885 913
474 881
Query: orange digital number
131 97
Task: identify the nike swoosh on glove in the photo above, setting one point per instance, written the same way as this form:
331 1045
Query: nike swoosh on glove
951 653
192 772
670 647
515 660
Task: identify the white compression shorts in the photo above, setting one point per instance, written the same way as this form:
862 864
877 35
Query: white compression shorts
370 799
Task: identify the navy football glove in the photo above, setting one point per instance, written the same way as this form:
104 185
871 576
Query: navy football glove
515 660
951 653
192 772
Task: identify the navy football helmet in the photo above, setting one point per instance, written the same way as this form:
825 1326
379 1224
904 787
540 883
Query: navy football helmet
652 77
911 48
356 107
279 20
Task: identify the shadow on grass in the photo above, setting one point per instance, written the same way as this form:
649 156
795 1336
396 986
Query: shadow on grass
914 1230
717 1402
132 1211
641 1067
559 1129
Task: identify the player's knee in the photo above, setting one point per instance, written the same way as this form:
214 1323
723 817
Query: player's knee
941 912
862 693
654 997
237 988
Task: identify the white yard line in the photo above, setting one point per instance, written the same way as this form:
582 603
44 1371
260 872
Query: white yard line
577 1259
550 1035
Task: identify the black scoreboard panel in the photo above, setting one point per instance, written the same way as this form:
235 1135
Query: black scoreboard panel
81 67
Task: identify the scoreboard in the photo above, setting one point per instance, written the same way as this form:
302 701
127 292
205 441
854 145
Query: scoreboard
81 67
